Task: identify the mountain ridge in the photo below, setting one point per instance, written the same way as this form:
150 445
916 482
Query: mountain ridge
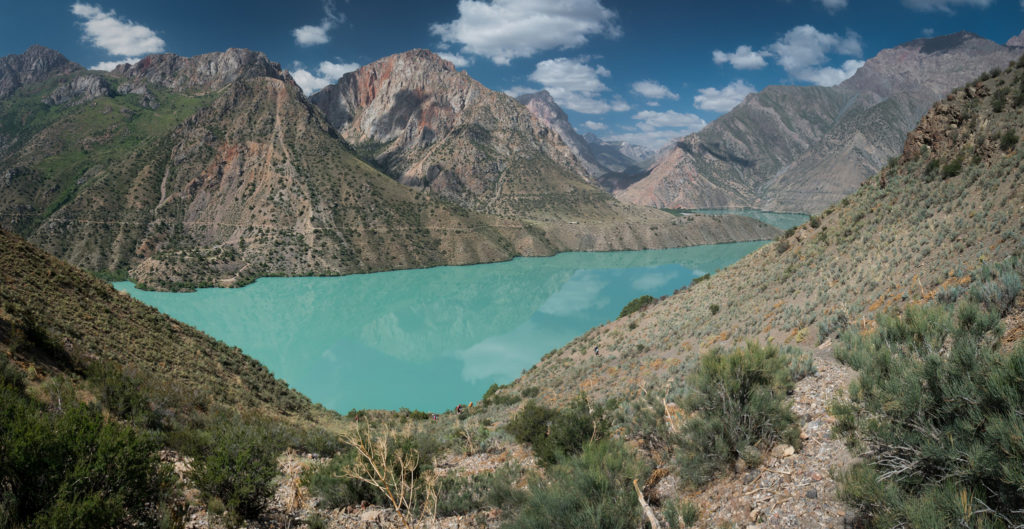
802 148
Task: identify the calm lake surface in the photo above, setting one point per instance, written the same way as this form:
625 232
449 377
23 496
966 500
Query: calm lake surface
430 339
783 221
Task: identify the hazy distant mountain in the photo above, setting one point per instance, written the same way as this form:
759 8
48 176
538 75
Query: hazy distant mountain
801 148
609 164
215 169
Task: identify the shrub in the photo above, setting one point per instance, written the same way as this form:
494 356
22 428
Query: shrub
72 468
458 495
555 433
1008 140
237 464
635 305
714 308
815 222
681 511
937 410
953 168
739 399
591 490
329 483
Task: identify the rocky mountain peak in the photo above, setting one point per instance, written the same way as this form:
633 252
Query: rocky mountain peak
36 64
1016 41
209 71
929 65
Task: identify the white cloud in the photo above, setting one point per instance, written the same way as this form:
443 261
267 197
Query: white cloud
327 73
119 37
655 129
310 35
107 66
744 58
502 30
946 6
574 85
455 58
594 125
722 100
517 91
928 32
803 50
653 90
834 5
830 76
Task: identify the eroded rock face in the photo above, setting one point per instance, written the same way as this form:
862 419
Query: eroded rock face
207 72
792 148
434 127
36 64
79 90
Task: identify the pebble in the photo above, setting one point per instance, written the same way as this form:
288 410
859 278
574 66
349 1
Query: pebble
812 494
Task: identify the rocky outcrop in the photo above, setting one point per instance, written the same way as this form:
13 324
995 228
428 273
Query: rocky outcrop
802 148
35 65
207 72
1016 41
79 90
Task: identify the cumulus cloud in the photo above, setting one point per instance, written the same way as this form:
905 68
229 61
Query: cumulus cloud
744 58
722 100
834 5
928 32
310 35
502 30
594 125
653 90
326 73
655 129
574 85
945 6
455 58
107 66
119 37
803 50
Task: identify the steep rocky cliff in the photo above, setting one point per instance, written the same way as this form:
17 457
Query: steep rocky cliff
802 148
609 164
215 170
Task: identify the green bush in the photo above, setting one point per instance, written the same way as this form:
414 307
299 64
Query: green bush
329 483
1008 140
72 468
681 511
953 168
938 411
739 398
714 308
458 495
238 464
555 433
591 490
635 305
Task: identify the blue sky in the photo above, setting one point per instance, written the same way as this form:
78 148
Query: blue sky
641 71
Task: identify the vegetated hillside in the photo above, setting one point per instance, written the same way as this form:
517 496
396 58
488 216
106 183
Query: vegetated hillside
950 203
215 170
59 319
802 148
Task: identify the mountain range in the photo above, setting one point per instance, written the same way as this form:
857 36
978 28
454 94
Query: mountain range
802 148
216 169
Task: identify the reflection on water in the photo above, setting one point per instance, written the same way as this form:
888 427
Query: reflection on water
430 339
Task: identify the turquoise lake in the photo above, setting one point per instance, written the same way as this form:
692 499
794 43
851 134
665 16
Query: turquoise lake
783 221
433 338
